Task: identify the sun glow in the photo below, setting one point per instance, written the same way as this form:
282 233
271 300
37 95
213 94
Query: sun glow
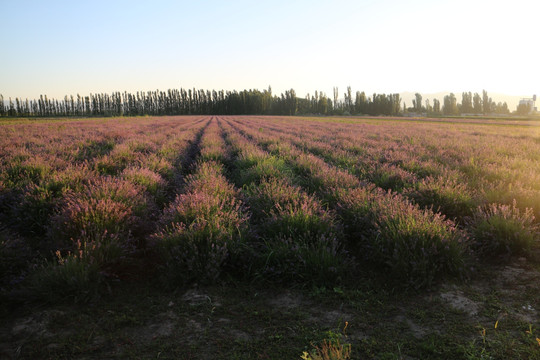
385 46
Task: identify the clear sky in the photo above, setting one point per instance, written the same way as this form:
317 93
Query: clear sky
67 47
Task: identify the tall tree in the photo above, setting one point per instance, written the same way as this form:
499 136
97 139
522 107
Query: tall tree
486 103
466 103
348 100
436 106
429 108
477 104
336 94
418 103
2 106
361 103
450 105
523 108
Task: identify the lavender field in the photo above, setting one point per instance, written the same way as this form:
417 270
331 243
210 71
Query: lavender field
294 202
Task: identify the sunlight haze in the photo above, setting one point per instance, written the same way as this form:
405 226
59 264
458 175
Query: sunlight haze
64 47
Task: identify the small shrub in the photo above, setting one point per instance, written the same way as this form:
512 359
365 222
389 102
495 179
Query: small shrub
94 148
123 155
34 211
413 246
199 231
212 151
221 213
316 259
390 177
106 166
141 146
503 229
117 160
355 207
317 176
285 210
159 165
152 182
268 168
106 211
300 239
504 193
88 219
21 174
448 196
69 277
119 190
74 178
208 179
417 246
197 252
248 157
38 202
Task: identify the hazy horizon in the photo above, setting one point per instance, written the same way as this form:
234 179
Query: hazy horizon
406 96
63 48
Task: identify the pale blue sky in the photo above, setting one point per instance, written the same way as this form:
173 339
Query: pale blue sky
69 47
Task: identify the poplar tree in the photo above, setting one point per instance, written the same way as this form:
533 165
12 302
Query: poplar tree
486 103
418 102
477 104
466 103
436 106
336 94
450 105
2 108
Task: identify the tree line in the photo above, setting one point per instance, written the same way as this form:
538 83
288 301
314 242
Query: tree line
246 102
470 104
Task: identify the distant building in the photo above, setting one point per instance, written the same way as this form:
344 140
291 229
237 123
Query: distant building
529 103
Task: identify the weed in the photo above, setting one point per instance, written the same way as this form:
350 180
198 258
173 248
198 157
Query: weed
329 349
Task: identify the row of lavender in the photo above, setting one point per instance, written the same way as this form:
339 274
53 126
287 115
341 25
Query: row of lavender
484 178
380 230
190 199
202 230
294 237
91 192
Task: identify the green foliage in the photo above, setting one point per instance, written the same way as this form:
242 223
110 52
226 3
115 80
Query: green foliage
330 348
417 247
200 232
287 210
504 229
448 196
202 227
21 174
152 182
105 215
413 246
35 209
267 168
70 278
391 178
107 166
300 237
160 165
90 218
197 252
95 148
305 259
